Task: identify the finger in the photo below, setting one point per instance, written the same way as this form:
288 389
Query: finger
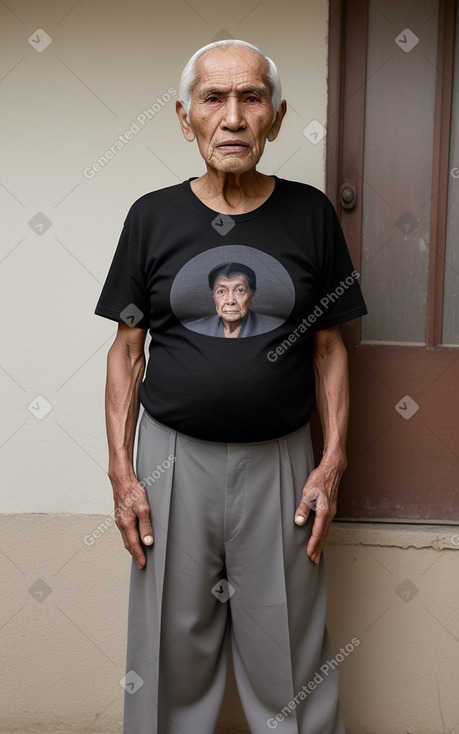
138 555
317 539
302 514
135 549
311 500
303 510
142 510
315 556
146 529
131 540
321 526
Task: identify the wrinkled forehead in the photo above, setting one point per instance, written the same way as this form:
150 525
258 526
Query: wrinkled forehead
232 282
235 64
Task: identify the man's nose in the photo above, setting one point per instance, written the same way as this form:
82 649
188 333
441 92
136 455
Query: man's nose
233 117
230 298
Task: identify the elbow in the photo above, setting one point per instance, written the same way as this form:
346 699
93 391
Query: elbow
128 350
331 348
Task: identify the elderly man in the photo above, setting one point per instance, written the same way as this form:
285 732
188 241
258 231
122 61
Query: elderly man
233 287
230 530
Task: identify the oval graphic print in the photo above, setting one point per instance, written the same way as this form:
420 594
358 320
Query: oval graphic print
232 283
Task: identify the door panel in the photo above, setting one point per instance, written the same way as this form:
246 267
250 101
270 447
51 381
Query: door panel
451 296
397 168
386 133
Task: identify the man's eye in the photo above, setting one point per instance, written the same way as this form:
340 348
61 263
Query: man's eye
240 290
212 99
252 98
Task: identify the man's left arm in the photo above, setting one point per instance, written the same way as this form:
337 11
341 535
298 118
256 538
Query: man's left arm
332 399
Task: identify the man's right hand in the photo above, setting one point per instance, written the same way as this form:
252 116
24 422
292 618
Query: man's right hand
132 515
125 368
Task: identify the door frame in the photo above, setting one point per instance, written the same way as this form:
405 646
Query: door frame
347 53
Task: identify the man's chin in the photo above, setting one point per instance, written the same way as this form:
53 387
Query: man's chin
233 163
234 321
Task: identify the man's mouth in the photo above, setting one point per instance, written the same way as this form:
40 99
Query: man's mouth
233 146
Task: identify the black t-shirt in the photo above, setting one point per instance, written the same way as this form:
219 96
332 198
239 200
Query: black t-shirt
291 255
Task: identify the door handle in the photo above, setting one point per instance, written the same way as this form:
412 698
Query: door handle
348 194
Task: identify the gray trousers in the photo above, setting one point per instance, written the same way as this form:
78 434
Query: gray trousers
227 556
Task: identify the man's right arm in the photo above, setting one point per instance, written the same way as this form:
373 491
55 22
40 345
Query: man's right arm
125 368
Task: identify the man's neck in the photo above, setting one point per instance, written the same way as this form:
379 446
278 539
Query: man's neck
232 193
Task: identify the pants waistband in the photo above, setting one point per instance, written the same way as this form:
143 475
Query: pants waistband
148 417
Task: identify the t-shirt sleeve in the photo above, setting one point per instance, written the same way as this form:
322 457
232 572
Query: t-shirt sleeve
338 296
124 296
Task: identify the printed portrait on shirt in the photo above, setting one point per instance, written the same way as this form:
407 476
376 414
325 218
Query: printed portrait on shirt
232 291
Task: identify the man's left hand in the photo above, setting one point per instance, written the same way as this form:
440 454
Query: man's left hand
320 495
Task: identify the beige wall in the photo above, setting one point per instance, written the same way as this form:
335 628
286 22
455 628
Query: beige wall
63 604
62 108
63 636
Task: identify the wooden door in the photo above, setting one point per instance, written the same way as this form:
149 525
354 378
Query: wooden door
393 110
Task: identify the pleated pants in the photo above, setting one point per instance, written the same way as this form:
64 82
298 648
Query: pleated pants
227 559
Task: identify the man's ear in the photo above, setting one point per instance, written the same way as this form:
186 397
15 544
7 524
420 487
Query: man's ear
184 121
273 133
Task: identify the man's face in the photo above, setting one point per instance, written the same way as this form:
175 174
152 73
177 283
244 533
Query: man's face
232 297
231 113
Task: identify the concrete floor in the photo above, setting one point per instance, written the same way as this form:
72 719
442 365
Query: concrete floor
40 730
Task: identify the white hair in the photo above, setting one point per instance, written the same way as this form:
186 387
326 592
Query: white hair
189 73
